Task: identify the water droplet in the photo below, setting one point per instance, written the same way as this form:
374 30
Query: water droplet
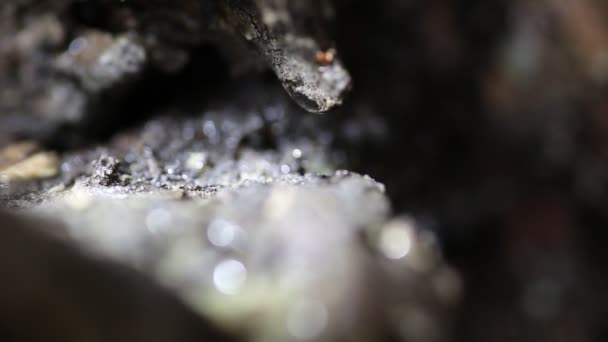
222 233
395 240
249 35
196 161
229 276
306 319
296 153
285 168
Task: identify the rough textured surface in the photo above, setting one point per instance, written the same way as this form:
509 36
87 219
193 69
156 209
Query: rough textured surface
284 32
243 215
68 58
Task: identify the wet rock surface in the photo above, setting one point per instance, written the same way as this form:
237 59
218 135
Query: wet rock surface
240 209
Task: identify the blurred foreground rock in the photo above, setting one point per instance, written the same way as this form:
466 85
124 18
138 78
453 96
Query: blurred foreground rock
51 291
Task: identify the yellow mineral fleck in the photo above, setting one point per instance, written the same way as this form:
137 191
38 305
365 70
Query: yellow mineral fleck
16 152
39 166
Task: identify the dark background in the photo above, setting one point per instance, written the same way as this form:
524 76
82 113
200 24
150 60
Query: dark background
497 119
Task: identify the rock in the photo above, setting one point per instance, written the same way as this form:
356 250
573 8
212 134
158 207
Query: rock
16 152
284 32
99 61
73 63
51 291
246 217
230 197
282 259
38 166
